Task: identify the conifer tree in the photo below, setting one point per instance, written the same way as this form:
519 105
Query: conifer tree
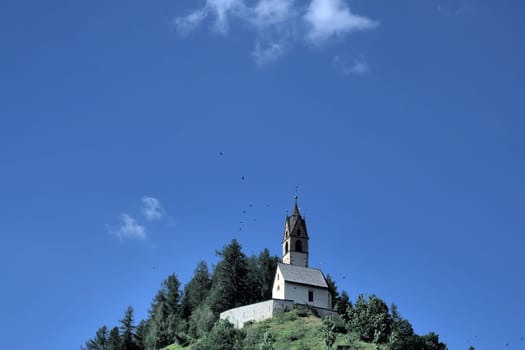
332 287
127 330
114 341
342 305
230 279
100 342
140 335
267 266
197 289
165 315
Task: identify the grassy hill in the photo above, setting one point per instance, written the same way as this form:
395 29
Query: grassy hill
293 330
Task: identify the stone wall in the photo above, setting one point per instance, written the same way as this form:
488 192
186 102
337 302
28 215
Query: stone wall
265 310
255 312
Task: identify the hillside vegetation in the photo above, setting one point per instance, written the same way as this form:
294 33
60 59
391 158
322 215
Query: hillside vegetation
188 318
293 330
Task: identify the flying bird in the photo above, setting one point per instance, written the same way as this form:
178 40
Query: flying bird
242 177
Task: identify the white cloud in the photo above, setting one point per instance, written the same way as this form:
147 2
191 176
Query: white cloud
222 10
151 209
129 229
277 24
272 12
351 66
329 18
269 52
190 22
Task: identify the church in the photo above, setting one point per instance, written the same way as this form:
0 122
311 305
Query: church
294 284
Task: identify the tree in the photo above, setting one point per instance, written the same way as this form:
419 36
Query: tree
114 341
100 342
267 266
127 330
430 341
165 319
201 321
140 335
230 279
370 319
332 287
223 336
402 336
196 290
329 332
342 304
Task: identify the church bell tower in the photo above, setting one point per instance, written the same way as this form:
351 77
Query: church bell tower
295 241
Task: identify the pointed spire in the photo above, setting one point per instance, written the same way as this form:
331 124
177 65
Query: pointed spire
296 208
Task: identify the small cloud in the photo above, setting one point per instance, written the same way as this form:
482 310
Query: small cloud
151 209
351 66
129 229
266 53
189 23
222 10
272 12
331 18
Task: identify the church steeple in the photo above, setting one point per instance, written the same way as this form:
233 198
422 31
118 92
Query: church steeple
295 241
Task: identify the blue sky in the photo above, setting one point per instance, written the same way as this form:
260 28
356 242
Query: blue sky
401 123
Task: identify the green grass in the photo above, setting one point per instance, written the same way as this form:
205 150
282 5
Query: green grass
293 330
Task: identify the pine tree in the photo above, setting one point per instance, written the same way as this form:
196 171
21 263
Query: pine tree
140 335
127 330
114 341
267 266
342 304
197 289
165 320
230 279
100 342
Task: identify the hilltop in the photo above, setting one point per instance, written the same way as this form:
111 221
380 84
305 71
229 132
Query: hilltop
298 329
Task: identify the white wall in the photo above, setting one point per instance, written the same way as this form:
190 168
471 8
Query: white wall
299 294
278 286
255 312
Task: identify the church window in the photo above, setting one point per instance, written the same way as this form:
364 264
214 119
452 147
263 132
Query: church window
286 248
310 296
299 246
298 232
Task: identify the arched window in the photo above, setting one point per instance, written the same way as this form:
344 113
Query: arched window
298 246
286 248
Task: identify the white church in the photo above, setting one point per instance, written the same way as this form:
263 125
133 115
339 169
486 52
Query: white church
294 284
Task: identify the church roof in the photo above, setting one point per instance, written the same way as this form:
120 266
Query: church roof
302 275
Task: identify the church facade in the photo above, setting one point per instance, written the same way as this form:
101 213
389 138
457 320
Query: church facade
295 283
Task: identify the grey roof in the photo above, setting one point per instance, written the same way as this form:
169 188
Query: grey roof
302 275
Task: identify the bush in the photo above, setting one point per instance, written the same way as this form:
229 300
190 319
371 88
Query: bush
223 336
